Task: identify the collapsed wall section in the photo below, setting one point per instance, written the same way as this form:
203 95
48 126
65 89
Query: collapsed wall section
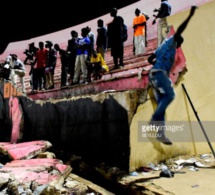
95 127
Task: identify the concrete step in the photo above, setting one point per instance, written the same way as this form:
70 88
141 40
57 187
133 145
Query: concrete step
132 65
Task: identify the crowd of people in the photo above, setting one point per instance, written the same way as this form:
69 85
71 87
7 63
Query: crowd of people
84 56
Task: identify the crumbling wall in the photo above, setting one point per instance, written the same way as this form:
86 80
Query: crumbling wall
96 127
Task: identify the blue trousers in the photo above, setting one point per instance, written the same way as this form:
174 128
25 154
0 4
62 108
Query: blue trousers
163 92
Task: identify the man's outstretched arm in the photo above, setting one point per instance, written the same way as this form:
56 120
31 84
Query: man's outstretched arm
183 26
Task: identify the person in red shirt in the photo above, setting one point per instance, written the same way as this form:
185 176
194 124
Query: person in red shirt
39 68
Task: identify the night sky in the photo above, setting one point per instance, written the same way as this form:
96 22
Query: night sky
22 21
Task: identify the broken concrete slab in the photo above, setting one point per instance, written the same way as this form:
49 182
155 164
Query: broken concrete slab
90 185
25 150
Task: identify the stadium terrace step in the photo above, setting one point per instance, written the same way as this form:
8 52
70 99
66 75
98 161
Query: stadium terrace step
125 78
112 80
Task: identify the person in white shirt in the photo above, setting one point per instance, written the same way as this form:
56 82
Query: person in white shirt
17 70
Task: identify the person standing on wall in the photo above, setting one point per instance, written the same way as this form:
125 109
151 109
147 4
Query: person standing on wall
115 41
101 40
17 70
139 23
164 11
72 51
83 45
39 65
50 65
64 64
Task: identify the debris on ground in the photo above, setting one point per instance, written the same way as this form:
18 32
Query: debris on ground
31 170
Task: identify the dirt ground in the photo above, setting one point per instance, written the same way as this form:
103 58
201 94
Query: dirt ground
190 183
183 175
193 175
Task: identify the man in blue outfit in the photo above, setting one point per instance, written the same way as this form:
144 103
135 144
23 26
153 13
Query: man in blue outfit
162 60
83 44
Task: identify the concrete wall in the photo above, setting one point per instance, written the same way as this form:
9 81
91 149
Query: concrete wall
95 127
199 49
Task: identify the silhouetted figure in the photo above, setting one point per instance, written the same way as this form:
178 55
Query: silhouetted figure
72 51
92 37
50 65
64 64
30 54
4 71
115 38
30 57
101 40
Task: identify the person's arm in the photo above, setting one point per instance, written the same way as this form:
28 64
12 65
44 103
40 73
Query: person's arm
156 16
152 58
183 26
163 11
140 24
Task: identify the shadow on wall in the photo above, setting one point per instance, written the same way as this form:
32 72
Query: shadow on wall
96 131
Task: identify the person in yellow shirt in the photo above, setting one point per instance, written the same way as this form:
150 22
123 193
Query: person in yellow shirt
139 23
96 66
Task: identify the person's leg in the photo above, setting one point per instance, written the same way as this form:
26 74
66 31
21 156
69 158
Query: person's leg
20 73
22 84
63 76
136 44
40 78
43 76
83 59
12 77
164 94
163 85
52 76
101 51
51 79
97 69
121 55
146 40
115 55
102 71
115 61
142 44
26 59
77 70
139 44
162 30
35 79
89 71
48 84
